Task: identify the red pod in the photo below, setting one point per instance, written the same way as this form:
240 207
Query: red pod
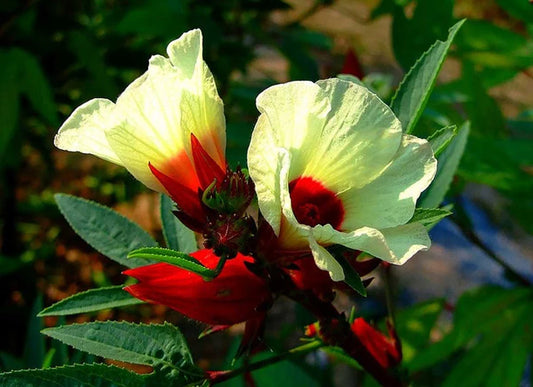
235 295
306 275
386 350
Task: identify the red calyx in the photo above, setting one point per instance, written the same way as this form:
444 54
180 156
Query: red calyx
386 350
235 295
207 169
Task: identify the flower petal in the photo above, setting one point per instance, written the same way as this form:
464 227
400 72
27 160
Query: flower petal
163 107
390 199
395 245
325 261
359 139
84 130
292 114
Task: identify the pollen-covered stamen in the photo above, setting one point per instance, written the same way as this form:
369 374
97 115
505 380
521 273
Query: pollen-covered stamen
313 204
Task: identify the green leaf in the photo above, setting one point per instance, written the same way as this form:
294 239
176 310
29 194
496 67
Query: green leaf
351 277
414 326
97 375
489 46
447 167
429 217
442 138
486 318
91 301
34 351
159 346
500 163
177 235
104 229
173 257
414 90
410 37
484 114
519 9
35 86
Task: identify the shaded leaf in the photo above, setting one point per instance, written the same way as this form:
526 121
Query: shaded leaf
35 87
414 326
351 277
429 217
158 346
104 229
177 235
90 301
442 138
508 171
486 318
97 375
411 37
34 351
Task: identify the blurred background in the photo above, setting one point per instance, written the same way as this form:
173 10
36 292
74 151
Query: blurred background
55 55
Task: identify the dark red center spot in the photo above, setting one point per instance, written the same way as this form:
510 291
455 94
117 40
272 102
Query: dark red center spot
313 204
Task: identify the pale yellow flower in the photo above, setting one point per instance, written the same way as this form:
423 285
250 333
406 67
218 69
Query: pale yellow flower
331 166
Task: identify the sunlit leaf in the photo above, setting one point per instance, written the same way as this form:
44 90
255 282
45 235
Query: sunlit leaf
413 93
104 229
91 301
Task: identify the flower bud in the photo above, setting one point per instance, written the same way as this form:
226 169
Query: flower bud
235 295
386 350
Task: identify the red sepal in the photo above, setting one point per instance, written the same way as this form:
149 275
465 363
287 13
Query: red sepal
235 295
207 169
386 350
187 200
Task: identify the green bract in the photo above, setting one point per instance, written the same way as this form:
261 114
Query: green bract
345 138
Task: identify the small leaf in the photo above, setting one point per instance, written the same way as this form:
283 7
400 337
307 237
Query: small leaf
159 346
447 167
414 90
172 257
429 217
442 138
97 375
104 229
177 235
35 86
351 277
91 301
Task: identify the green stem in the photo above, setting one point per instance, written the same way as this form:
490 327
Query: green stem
388 292
292 353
